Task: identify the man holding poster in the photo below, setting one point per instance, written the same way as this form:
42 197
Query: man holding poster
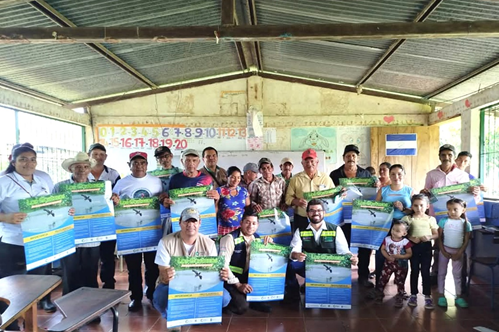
187 242
317 237
139 184
347 171
80 268
235 247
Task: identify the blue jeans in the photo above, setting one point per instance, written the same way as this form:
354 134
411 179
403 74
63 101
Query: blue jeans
160 299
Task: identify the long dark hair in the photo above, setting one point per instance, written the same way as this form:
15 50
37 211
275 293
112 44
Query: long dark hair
11 168
460 202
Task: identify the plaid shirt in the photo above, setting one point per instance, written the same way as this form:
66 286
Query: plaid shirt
267 194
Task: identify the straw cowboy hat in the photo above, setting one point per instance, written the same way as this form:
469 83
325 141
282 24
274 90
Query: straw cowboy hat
81 157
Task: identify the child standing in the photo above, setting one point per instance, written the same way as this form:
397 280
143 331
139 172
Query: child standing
422 229
397 250
454 234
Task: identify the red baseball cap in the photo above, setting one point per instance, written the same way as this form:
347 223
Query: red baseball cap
138 154
308 153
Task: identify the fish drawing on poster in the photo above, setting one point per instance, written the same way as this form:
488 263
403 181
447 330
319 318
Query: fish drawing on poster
321 139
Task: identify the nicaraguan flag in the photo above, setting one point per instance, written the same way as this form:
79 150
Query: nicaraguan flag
401 144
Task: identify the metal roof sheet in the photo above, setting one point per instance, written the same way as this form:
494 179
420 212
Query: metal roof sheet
339 62
139 13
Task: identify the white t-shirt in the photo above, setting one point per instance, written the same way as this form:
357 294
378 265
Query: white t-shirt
132 187
454 231
163 256
10 194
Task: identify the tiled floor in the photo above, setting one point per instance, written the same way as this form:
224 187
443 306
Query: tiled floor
364 316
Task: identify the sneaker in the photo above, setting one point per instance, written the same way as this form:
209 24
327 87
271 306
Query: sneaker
413 301
399 301
428 303
442 302
461 303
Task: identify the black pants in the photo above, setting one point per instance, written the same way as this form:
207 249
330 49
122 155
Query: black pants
364 254
80 269
299 222
134 265
12 262
108 264
238 303
421 261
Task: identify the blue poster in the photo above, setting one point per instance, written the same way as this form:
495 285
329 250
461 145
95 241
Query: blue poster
332 201
275 223
195 294
475 211
358 188
194 197
48 230
267 271
328 281
371 222
94 211
138 225
166 220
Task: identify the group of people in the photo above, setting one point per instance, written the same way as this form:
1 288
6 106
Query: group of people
239 196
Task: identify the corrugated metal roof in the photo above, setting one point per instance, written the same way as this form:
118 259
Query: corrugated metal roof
422 66
320 12
139 13
69 72
74 72
168 63
466 10
339 62
23 16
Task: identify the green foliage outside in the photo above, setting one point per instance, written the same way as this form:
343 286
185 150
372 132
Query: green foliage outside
149 203
490 150
283 250
180 263
26 205
85 186
188 192
378 206
343 260
322 193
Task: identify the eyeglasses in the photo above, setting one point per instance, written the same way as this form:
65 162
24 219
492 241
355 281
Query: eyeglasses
314 211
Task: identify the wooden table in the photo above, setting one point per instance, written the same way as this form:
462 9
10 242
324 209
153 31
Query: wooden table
85 304
22 293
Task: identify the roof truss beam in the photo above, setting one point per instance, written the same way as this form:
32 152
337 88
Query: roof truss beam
423 15
403 30
48 11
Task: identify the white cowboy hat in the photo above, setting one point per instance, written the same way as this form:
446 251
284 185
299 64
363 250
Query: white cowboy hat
81 157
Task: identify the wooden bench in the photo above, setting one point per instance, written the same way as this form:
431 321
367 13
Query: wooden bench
22 293
85 304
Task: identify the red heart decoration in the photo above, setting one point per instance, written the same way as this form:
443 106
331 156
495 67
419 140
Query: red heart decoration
467 103
440 114
389 119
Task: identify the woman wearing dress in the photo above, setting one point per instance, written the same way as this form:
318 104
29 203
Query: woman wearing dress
233 200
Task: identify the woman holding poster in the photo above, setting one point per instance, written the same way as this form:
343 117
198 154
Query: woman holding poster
399 195
19 182
233 200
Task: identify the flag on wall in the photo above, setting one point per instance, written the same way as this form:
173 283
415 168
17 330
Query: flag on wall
401 144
